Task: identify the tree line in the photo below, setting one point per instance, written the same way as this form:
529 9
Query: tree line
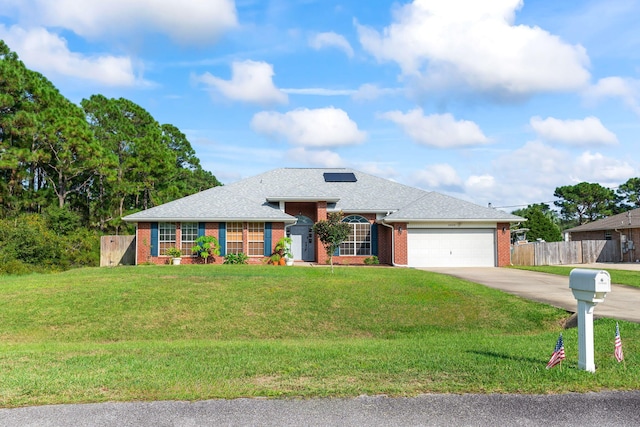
576 205
81 168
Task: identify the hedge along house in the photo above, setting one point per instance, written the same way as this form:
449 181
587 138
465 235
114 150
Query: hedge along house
401 225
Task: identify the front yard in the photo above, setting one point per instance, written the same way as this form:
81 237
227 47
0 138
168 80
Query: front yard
226 331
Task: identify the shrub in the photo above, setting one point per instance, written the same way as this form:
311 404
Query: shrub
239 258
205 247
372 260
16 267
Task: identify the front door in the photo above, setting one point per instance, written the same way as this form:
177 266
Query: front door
302 244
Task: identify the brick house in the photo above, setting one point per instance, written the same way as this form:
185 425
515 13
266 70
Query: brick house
623 229
401 225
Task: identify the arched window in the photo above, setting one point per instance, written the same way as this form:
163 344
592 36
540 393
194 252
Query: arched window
359 240
303 220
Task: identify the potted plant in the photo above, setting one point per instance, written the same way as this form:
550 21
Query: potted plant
205 247
275 259
283 248
175 255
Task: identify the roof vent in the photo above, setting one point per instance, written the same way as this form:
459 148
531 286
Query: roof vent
339 177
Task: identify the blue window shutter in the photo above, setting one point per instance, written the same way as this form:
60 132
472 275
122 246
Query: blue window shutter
200 229
267 238
374 239
222 238
154 239
337 251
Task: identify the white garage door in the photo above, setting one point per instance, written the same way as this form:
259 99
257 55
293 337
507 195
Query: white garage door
451 247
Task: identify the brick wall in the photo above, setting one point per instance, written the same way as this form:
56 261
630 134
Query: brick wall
299 208
384 244
503 244
143 243
401 247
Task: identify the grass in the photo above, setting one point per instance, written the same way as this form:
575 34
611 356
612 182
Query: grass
201 332
620 277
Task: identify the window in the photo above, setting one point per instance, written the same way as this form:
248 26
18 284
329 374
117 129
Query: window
359 240
234 237
166 237
607 235
256 238
188 236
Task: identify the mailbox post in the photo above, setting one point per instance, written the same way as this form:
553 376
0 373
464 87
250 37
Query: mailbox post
589 287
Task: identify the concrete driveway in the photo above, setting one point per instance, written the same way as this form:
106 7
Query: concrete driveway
621 303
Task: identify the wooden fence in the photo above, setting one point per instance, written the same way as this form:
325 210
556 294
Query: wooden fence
560 253
117 250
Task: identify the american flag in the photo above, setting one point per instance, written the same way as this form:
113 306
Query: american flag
558 353
618 345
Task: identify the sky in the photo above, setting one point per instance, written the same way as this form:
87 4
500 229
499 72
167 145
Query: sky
493 101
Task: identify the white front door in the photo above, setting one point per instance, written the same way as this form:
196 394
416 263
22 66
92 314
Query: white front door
302 242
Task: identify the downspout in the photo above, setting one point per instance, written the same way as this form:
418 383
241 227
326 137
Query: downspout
393 244
137 242
621 245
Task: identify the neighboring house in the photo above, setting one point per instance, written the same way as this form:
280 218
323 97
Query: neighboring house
623 228
401 225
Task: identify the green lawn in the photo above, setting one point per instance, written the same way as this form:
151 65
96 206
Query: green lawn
202 332
620 277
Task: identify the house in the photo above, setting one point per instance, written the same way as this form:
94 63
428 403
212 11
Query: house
623 229
401 225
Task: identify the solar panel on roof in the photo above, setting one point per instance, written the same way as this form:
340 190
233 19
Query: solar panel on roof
339 177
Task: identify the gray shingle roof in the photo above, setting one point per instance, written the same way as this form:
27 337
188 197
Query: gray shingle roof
629 219
256 199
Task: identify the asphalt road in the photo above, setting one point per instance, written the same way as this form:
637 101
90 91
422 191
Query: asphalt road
591 409
567 410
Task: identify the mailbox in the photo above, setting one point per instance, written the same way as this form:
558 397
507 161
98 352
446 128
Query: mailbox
589 285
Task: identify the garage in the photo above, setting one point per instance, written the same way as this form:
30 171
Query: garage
434 247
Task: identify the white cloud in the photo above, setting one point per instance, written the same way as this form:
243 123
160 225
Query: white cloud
438 176
251 82
319 91
588 131
626 89
49 54
604 170
476 44
187 21
331 39
480 183
437 130
369 92
320 158
377 169
322 127
535 170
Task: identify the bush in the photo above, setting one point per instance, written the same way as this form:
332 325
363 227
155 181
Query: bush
16 267
28 244
82 249
372 260
239 258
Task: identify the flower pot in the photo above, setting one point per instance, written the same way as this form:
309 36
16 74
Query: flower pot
283 261
289 261
176 261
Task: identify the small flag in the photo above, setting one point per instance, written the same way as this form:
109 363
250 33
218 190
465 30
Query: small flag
558 353
618 345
